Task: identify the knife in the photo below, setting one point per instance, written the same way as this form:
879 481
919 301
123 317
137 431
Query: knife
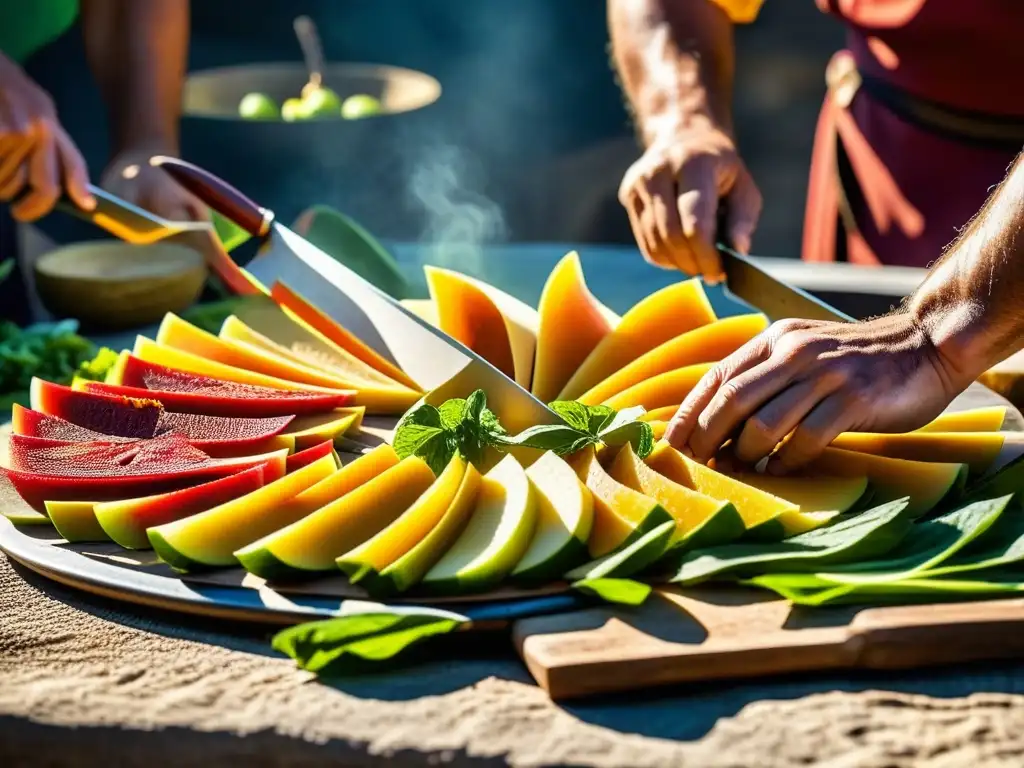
129 222
442 366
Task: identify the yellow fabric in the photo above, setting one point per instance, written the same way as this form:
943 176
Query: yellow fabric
740 11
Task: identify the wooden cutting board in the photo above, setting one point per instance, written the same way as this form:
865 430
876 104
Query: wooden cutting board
714 634
719 633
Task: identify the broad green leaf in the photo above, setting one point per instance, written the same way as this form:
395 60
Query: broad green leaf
629 560
491 426
870 534
639 433
572 413
1001 547
621 419
1008 480
908 591
555 437
362 639
423 414
620 591
475 405
598 417
412 438
452 413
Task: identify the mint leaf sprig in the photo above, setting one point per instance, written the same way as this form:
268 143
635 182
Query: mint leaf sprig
469 427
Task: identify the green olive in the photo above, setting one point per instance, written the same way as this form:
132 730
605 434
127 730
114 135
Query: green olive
360 105
258 106
294 109
321 102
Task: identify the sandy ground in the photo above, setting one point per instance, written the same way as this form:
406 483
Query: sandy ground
84 683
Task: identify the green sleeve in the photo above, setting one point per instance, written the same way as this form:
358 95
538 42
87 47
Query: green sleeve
28 25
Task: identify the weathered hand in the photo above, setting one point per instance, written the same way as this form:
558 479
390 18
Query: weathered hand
815 379
38 160
672 195
130 176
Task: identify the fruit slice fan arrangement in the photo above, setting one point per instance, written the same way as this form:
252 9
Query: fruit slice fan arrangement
216 451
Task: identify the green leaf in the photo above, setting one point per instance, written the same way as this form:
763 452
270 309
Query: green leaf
97 368
598 417
6 267
629 560
639 433
475 405
362 640
873 533
621 419
411 439
547 437
452 413
423 414
575 414
490 424
619 591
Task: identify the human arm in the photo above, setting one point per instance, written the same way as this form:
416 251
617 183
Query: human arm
138 54
675 61
892 374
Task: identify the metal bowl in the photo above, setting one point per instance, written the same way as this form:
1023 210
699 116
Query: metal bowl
356 166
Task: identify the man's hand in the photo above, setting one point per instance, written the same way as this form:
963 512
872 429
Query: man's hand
672 197
132 178
38 161
815 380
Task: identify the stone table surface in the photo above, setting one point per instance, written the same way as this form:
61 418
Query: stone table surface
86 681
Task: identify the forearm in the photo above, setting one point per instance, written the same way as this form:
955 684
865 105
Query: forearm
138 53
972 302
675 61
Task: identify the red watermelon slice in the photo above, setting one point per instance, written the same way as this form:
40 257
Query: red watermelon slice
308 456
184 392
51 470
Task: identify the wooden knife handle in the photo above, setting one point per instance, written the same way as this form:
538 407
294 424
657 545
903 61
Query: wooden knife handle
218 194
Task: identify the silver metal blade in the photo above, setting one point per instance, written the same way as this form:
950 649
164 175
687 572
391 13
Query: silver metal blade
778 300
128 222
437 362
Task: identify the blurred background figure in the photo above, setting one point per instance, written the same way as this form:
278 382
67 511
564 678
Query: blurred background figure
923 115
136 51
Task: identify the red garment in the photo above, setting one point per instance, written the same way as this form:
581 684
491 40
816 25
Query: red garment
912 187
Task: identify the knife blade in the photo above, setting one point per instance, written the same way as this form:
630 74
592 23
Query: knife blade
129 222
753 285
441 365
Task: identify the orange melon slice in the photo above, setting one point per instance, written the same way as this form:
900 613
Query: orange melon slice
925 483
309 316
766 516
812 494
151 352
498 327
665 413
376 393
706 344
974 420
663 390
621 514
975 449
572 323
654 320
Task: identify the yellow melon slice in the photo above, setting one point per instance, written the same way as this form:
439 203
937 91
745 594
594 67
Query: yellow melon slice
317 540
262 323
309 316
654 320
498 327
572 323
661 391
665 413
811 494
424 309
151 352
974 420
659 428
376 393
764 514
925 483
621 514
707 344
409 529
975 449
710 521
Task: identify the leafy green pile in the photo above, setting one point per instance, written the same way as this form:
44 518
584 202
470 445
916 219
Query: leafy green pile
469 427
53 351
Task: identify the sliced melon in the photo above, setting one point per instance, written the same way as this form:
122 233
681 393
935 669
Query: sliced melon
424 309
630 560
652 321
498 327
310 317
150 352
75 520
126 521
701 521
665 413
621 514
304 458
375 391
309 430
495 538
571 323
210 538
315 541
706 344
925 483
410 568
988 419
565 517
662 390
766 516
975 449
811 494
387 546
